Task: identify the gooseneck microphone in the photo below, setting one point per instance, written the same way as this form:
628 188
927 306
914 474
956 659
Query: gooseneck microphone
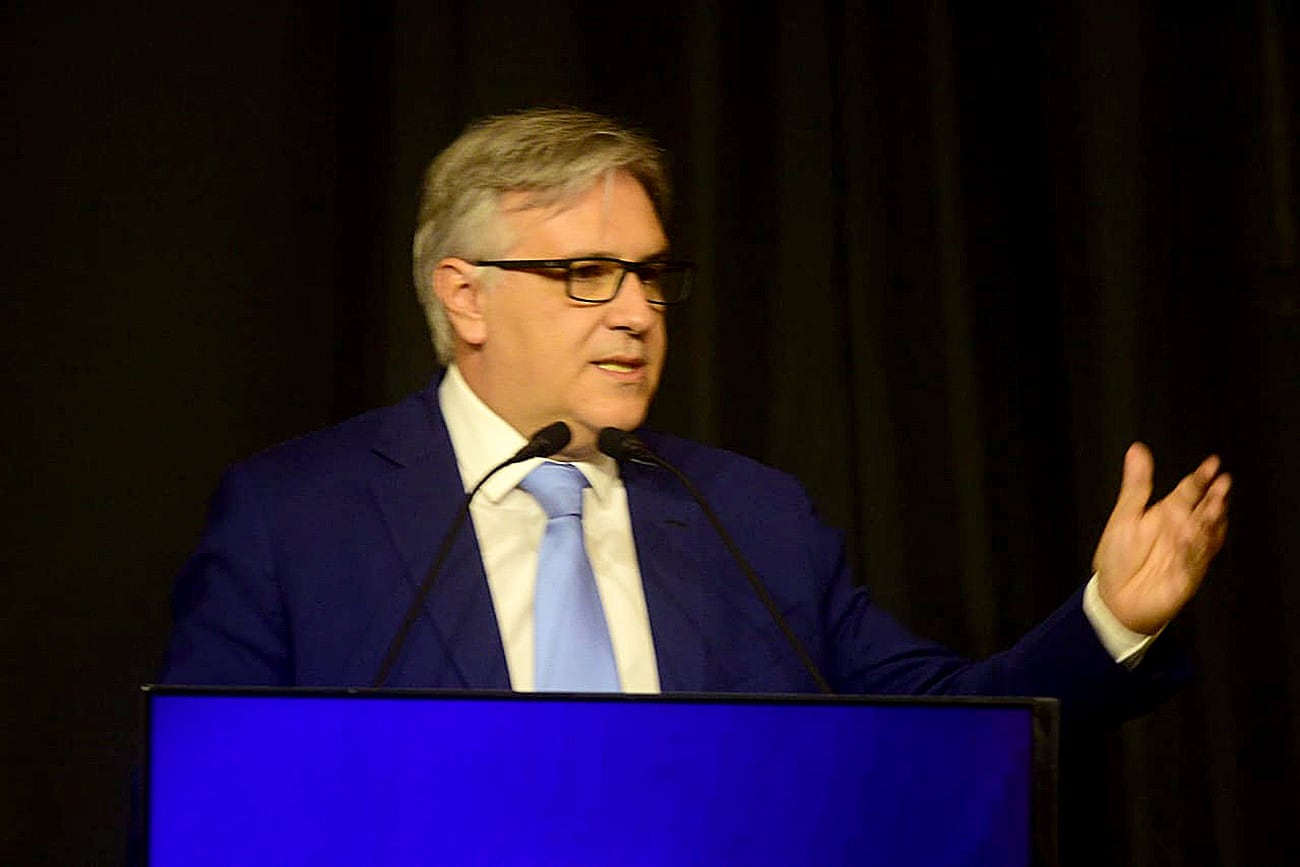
621 445
542 444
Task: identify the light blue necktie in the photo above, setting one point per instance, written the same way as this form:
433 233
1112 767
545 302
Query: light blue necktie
573 651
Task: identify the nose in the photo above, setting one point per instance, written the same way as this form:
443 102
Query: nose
630 309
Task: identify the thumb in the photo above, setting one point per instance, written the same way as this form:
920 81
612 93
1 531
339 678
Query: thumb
1135 486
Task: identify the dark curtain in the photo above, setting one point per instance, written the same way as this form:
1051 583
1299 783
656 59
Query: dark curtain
955 257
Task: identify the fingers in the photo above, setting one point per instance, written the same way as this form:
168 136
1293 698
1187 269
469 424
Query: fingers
1194 486
1214 504
1210 516
1135 485
1198 507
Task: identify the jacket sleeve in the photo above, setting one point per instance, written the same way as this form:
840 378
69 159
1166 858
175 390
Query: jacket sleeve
869 651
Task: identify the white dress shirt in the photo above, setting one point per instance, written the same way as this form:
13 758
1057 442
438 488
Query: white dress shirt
509 524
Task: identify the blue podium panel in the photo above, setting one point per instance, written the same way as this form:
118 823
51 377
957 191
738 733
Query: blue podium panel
358 777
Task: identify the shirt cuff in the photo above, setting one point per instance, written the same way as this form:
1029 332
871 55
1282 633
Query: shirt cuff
1123 644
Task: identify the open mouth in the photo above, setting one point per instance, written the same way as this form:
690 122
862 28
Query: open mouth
614 365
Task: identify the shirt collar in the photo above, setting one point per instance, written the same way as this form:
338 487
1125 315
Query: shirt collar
482 439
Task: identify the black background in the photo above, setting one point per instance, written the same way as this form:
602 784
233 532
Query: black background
955 257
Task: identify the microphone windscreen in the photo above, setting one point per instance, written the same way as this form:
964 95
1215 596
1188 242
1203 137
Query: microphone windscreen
616 443
619 444
546 441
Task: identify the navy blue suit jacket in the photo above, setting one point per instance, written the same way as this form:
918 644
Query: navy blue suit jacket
313 551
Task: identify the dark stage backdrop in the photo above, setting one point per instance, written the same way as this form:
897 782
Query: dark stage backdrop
955 257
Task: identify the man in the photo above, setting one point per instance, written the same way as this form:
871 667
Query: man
543 266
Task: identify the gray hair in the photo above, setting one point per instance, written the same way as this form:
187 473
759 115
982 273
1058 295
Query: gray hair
552 153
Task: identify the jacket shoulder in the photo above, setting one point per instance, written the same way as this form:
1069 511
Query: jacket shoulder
719 472
390 435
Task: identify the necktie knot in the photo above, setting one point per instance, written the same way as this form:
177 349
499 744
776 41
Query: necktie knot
558 487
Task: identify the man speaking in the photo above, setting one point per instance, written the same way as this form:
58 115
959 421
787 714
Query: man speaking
541 261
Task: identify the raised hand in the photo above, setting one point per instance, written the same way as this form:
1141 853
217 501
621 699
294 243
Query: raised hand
1151 560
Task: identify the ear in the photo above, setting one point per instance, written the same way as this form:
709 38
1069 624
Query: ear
462 296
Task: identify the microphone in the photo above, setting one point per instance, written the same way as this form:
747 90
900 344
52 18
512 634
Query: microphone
622 445
542 444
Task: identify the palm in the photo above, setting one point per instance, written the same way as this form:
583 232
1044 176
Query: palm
1150 561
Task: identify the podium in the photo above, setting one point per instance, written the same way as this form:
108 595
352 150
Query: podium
379 777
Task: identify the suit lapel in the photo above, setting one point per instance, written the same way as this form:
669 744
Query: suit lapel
456 641
666 525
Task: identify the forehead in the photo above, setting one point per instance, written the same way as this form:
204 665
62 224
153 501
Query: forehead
613 209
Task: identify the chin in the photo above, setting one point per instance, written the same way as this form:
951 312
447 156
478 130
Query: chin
623 421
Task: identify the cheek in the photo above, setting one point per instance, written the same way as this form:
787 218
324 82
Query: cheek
658 345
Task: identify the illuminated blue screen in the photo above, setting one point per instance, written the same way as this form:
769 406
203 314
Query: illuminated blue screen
311 779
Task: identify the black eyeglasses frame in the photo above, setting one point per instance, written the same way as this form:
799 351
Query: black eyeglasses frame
686 268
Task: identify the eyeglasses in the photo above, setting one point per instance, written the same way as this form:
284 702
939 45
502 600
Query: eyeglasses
597 279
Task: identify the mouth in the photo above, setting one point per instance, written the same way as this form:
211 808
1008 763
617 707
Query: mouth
623 366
